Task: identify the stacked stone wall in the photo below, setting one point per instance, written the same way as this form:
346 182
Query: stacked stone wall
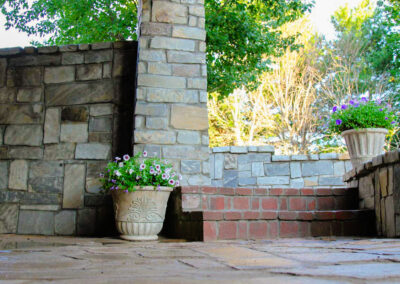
64 111
378 184
171 112
258 166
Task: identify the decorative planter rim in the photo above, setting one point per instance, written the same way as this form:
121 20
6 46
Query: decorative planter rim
149 188
362 130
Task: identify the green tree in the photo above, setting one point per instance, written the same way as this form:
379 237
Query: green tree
241 35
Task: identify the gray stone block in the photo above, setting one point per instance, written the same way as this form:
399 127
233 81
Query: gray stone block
45 184
277 169
277 180
257 169
74 186
150 109
185 152
3 175
280 158
7 95
98 56
52 126
198 180
62 151
313 157
3 69
100 124
8 218
101 109
71 94
331 181
219 166
244 166
86 225
40 207
29 95
20 114
65 223
24 77
76 133
32 60
295 170
239 149
316 168
101 45
18 175
188 137
230 162
329 156
221 149
299 158
72 58
266 149
190 167
206 168
297 183
253 157
92 151
46 169
231 178
28 135
36 222
89 72
247 181
339 168
59 74
47 49
159 95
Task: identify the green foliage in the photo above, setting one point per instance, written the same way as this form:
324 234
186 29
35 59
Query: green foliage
241 38
128 172
357 115
72 21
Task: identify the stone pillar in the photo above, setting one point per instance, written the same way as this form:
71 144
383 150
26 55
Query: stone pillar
171 109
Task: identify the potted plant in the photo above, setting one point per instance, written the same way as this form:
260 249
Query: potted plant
364 125
140 188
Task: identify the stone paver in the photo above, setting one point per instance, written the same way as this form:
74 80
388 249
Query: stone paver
102 260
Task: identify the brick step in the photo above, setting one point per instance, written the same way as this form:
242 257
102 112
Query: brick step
315 224
245 199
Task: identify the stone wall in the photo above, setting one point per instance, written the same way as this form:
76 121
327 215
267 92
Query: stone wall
64 112
378 184
258 166
171 111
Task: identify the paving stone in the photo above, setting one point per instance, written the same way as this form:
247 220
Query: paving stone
62 151
8 218
93 151
52 126
3 175
77 132
74 186
36 222
25 153
18 175
65 223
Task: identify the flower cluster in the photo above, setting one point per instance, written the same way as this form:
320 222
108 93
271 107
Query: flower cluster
361 114
128 172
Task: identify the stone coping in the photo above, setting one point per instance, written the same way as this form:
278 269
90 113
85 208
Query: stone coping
64 48
278 158
370 166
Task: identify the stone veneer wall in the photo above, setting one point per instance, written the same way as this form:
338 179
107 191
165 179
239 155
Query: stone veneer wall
64 111
171 111
378 184
258 166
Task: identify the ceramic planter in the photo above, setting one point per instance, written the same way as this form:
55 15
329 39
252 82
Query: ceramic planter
139 215
364 144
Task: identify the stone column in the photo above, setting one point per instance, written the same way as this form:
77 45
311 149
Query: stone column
171 109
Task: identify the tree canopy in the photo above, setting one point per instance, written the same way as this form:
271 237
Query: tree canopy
241 35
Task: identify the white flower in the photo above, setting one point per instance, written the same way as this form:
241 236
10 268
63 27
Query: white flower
130 171
164 176
158 167
117 173
117 158
126 157
142 166
171 182
121 164
144 153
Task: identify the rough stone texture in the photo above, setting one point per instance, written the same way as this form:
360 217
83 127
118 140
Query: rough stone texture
74 186
26 95
62 151
74 132
24 77
99 110
20 114
89 72
190 167
46 169
277 169
8 218
18 175
93 151
74 114
36 222
29 135
45 185
59 74
189 117
168 12
52 126
65 223
3 175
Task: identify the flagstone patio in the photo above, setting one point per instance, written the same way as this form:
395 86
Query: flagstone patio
29 259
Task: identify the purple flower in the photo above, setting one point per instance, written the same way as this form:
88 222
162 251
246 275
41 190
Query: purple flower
338 121
344 107
364 99
171 182
177 183
144 154
393 122
117 173
101 175
334 109
386 118
379 101
357 104
126 191
158 187
116 187
351 102
113 181
380 109
112 188
126 157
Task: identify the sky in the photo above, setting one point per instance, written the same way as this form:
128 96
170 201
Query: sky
320 16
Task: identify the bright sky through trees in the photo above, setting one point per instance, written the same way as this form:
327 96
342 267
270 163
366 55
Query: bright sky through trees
320 16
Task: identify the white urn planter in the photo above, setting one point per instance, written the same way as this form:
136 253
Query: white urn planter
364 144
139 215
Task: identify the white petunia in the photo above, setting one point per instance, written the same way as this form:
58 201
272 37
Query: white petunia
117 173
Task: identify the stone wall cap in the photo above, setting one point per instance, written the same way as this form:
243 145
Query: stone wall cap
239 149
221 149
11 51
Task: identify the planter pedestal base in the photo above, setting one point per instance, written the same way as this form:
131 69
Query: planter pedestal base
139 238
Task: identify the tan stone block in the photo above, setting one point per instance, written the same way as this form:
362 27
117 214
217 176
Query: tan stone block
169 82
201 23
152 55
202 46
383 181
18 175
172 43
7 95
167 12
390 217
89 72
29 95
155 29
159 68
155 137
197 83
185 57
383 216
52 126
192 21
172 95
77 132
189 117
74 186
20 113
186 70
61 74
28 135
390 180
197 10
189 32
